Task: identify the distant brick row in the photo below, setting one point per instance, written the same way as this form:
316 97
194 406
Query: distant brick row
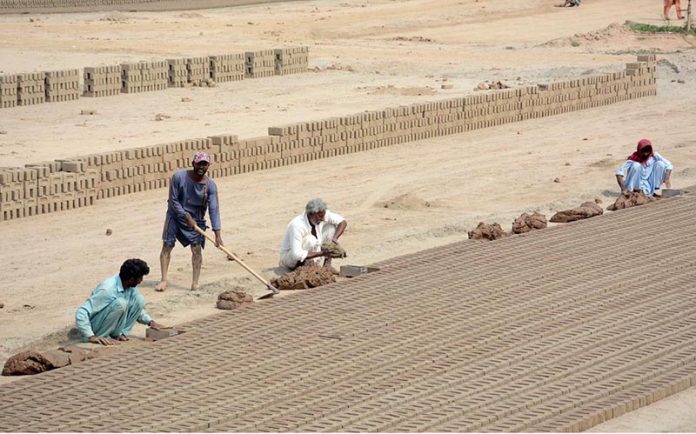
39 87
55 186
23 4
55 86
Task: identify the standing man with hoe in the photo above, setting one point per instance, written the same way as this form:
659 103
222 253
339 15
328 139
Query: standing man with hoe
191 192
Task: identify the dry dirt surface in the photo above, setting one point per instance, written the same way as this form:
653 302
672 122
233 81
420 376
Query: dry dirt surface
524 337
363 55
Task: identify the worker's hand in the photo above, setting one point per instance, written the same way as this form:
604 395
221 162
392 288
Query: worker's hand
668 183
218 240
190 221
123 338
157 326
625 193
102 340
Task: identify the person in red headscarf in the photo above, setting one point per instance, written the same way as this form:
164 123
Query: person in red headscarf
677 5
645 170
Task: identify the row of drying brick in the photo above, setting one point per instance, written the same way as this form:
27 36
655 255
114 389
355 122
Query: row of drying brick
55 86
123 172
506 357
39 87
25 4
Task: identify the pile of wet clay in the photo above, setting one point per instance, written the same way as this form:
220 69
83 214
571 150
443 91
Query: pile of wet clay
584 211
526 223
33 362
487 232
634 198
233 299
333 249
304 277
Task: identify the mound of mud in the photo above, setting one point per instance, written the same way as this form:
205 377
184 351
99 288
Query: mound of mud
487 232
526 223
229 300
333 249
634 198
612 31
406 201
304 277
584 211
34 362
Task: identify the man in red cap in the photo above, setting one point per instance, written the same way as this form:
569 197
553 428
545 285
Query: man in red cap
645 170
191 192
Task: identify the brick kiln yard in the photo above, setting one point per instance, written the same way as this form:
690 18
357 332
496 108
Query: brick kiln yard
363 56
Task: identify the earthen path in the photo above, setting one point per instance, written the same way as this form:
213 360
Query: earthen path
524 333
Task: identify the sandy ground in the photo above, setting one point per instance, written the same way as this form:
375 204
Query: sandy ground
364 55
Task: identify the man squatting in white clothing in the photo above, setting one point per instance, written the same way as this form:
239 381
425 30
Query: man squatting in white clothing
306 233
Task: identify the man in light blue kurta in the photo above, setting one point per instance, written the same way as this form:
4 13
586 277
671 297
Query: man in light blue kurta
645 170
114 306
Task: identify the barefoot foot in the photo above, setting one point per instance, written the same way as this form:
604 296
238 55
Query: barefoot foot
160 287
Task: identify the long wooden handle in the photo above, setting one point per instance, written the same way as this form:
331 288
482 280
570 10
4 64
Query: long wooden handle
236 259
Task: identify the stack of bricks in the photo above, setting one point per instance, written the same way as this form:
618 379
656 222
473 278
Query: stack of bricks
198 69
31 88
8 91
227 67
62 85
134 170
178 72
102 81
45 187
141 169
292 60
144 77
259 64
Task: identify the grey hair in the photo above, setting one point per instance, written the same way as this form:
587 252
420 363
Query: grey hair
315 205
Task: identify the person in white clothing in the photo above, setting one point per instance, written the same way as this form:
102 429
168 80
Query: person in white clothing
306 233
645 170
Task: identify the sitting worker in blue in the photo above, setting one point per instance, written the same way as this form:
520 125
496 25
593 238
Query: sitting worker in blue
109 314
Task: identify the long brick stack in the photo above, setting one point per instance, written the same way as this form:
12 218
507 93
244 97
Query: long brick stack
133 170
102 81
227 67
144 77
55 86
198 69
62 85
31 88
260 63
140 169
292 60
45 187
8 91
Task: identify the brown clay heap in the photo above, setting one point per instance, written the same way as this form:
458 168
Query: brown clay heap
333 249
229 300
526 223
304 277
33 362
487 232
634 198
584 211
